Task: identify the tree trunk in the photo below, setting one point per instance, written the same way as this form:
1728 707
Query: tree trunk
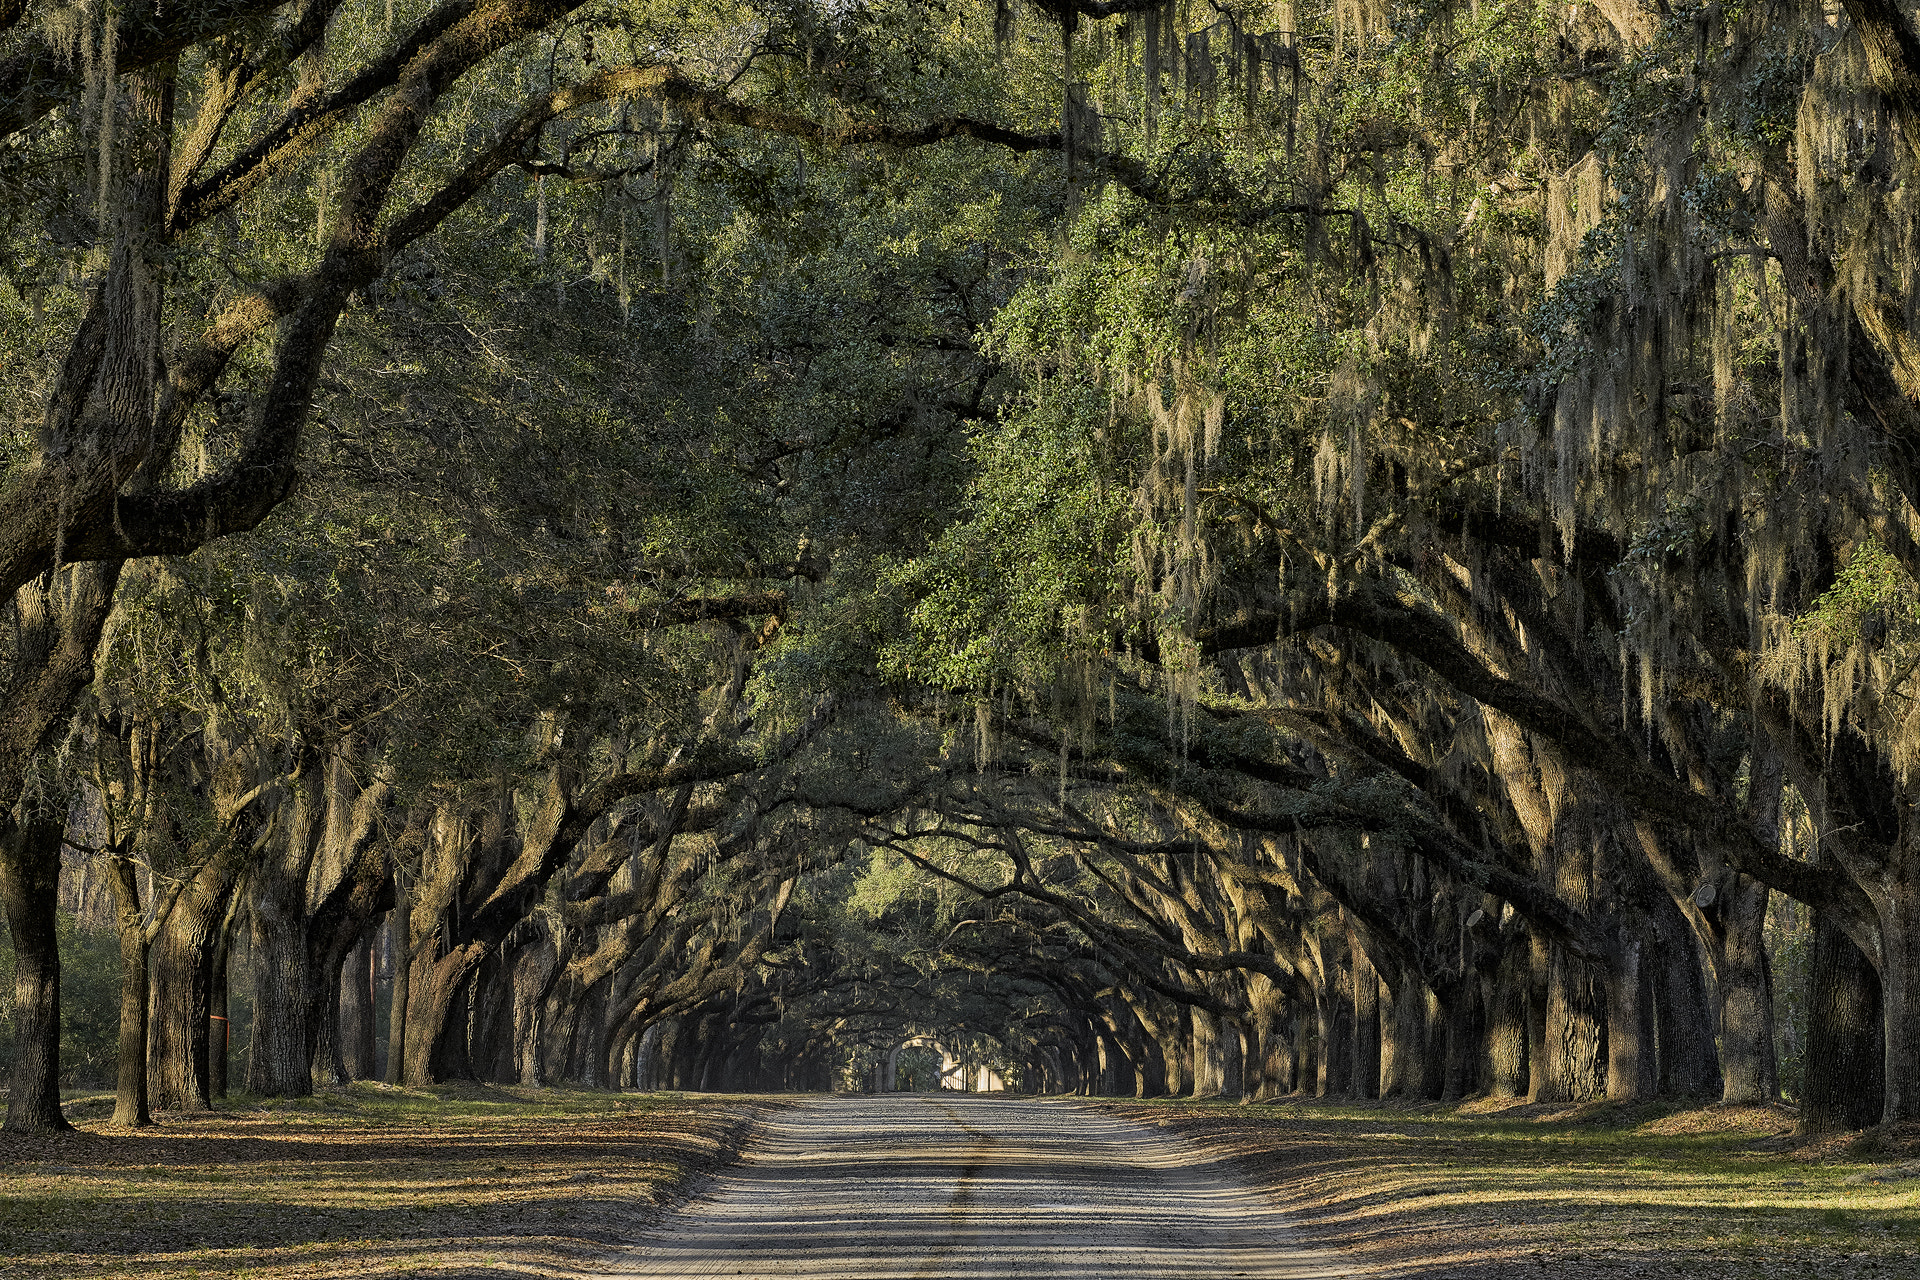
1683 1007
690 1053
326 1046
30 881
627 1054
646 1058
1365 1080
1165 1055
1541 1086
1407 1047
1266 1056
280 1063
1743 973
278 1066
1306 1063
1508 998
220 1025
434 1047
1845 1085
490 1021
1628 1031
534 973
356 1008
397 1022
1750 1069
437 1043
130 1108
1144 1048
1116 1071
1208 1068
180 1032
1232 1064
657 1057
1577 1056
1433 1074
1463 1030
1897 899
1334 1008
588 1051
1394 1043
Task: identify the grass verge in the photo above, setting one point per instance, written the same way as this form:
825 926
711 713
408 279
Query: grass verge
457 1180
1497 1192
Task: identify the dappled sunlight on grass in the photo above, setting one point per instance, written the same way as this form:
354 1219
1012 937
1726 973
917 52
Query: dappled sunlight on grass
1490 1190
473 1180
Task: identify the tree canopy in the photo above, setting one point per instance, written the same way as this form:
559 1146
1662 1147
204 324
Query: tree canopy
1232 547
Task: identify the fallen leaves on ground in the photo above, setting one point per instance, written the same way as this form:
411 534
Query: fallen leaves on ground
1499 1192
466 1181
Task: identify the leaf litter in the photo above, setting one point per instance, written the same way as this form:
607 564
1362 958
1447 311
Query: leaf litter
470 1181
1502 1190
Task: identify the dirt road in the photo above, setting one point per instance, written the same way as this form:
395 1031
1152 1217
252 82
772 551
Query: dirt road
940 1186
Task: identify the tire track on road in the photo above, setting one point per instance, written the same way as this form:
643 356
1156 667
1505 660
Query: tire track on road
969 1186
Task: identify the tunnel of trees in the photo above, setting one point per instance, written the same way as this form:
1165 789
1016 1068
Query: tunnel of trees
1215 547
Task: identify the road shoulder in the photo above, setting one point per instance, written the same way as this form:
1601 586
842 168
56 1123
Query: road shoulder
1492 1192
474 1181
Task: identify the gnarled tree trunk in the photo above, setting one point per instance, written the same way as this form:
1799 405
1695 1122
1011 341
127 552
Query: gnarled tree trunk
30 883
1845 1065
179 1036
277 898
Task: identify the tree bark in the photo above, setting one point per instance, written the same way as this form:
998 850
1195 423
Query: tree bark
182 995
348 885
1628 1031
1334 1009
1689 1064
1845 1064
1407 1047
1462 1028
277 894
1541 1085
30 882
1576 1031
1266 1055
1208 1066
1161 1028
1750 1068
220 1024
1144 1047
356 1007
130 1108
1365 1064
1306 1048
1509 1001
326 1045
179 1031
397 1018
437 1021
1897 900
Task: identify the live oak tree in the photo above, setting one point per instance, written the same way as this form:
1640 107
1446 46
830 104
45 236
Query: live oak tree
375 116
1271 546
1441 354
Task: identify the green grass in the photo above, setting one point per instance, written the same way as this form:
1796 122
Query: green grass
1707 1191
471 1179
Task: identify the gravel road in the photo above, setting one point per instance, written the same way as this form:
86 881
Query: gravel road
939 1186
